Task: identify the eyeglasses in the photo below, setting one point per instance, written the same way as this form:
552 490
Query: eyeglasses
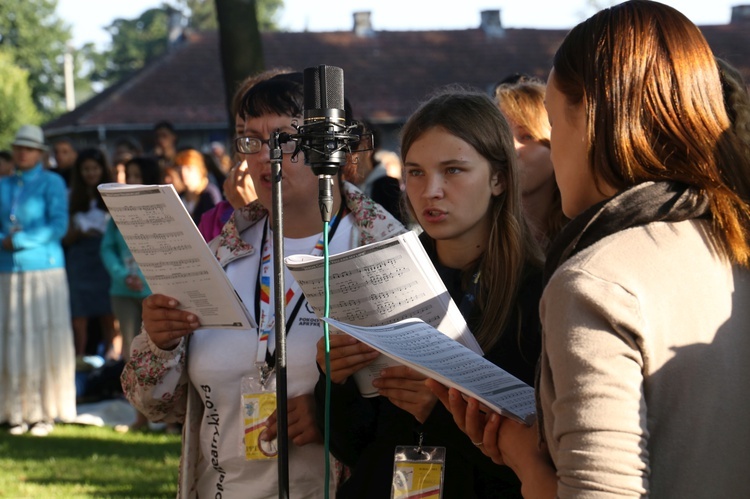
365 142
252 145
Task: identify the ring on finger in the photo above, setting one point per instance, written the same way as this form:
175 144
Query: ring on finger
478 444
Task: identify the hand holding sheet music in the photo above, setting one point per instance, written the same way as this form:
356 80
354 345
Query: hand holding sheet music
172 254
420 346
382 283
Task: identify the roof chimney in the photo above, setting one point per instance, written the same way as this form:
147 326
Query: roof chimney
175 27
363 24
491 24
740 14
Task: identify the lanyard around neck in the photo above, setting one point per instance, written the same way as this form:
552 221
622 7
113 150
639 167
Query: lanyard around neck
468 301
265 360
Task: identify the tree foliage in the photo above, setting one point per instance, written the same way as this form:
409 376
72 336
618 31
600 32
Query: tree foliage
268 13
135 42
35 38
202 13
16 105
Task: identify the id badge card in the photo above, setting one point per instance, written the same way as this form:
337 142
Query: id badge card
258 403
418 472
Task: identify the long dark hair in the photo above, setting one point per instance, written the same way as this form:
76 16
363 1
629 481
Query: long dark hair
80 193
151 172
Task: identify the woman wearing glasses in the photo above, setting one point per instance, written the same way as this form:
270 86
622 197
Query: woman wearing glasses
238 186
205 391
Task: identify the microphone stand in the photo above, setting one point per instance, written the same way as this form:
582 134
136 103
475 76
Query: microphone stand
282 423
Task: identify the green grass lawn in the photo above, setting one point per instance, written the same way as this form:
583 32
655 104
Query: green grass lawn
86 461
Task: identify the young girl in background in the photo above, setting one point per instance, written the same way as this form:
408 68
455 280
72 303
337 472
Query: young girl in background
88 280
462 188
129 287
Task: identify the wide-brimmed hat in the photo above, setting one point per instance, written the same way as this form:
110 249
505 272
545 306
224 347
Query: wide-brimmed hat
30 136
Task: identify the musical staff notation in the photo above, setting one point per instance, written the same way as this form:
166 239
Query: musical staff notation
171 253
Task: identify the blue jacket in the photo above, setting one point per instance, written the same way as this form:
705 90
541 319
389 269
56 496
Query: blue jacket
38 200
115 256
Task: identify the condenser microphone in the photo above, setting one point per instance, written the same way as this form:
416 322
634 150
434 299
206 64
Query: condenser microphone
324 136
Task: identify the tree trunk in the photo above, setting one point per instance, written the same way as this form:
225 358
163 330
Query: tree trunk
240 44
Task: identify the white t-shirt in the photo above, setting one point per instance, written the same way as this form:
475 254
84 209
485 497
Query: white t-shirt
220 358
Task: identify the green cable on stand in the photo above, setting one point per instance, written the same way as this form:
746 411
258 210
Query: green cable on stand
327 419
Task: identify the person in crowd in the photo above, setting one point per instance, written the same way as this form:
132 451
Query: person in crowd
216 176
37 359
182 382
220 156
6 163
172 176
165 143
375 181
644 314
521 100
125 150
238 185
199 195
88 280
392 164
65 155
462 187
128 287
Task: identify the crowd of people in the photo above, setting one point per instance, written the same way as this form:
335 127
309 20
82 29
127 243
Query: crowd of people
55 224
597 243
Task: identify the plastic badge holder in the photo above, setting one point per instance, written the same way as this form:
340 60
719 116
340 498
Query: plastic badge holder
258 403
418 472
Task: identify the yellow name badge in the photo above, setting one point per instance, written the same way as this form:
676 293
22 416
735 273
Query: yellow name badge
418 472
256 408
420 480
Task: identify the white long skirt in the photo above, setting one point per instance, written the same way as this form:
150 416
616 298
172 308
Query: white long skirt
37 356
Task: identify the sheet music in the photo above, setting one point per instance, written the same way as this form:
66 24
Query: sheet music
174 258
421 347
382 283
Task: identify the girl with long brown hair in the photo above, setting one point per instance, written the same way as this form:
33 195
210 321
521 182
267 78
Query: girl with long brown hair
462 187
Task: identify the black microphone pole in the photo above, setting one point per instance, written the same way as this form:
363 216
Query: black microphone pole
282 423
324 137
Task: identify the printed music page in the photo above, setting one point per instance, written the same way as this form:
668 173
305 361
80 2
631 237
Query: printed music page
174 258
421 347
382 283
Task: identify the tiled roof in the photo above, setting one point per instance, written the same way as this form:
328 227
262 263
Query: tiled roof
386 74
183 86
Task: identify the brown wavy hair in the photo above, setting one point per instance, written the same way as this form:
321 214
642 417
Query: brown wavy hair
475 119
655 110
